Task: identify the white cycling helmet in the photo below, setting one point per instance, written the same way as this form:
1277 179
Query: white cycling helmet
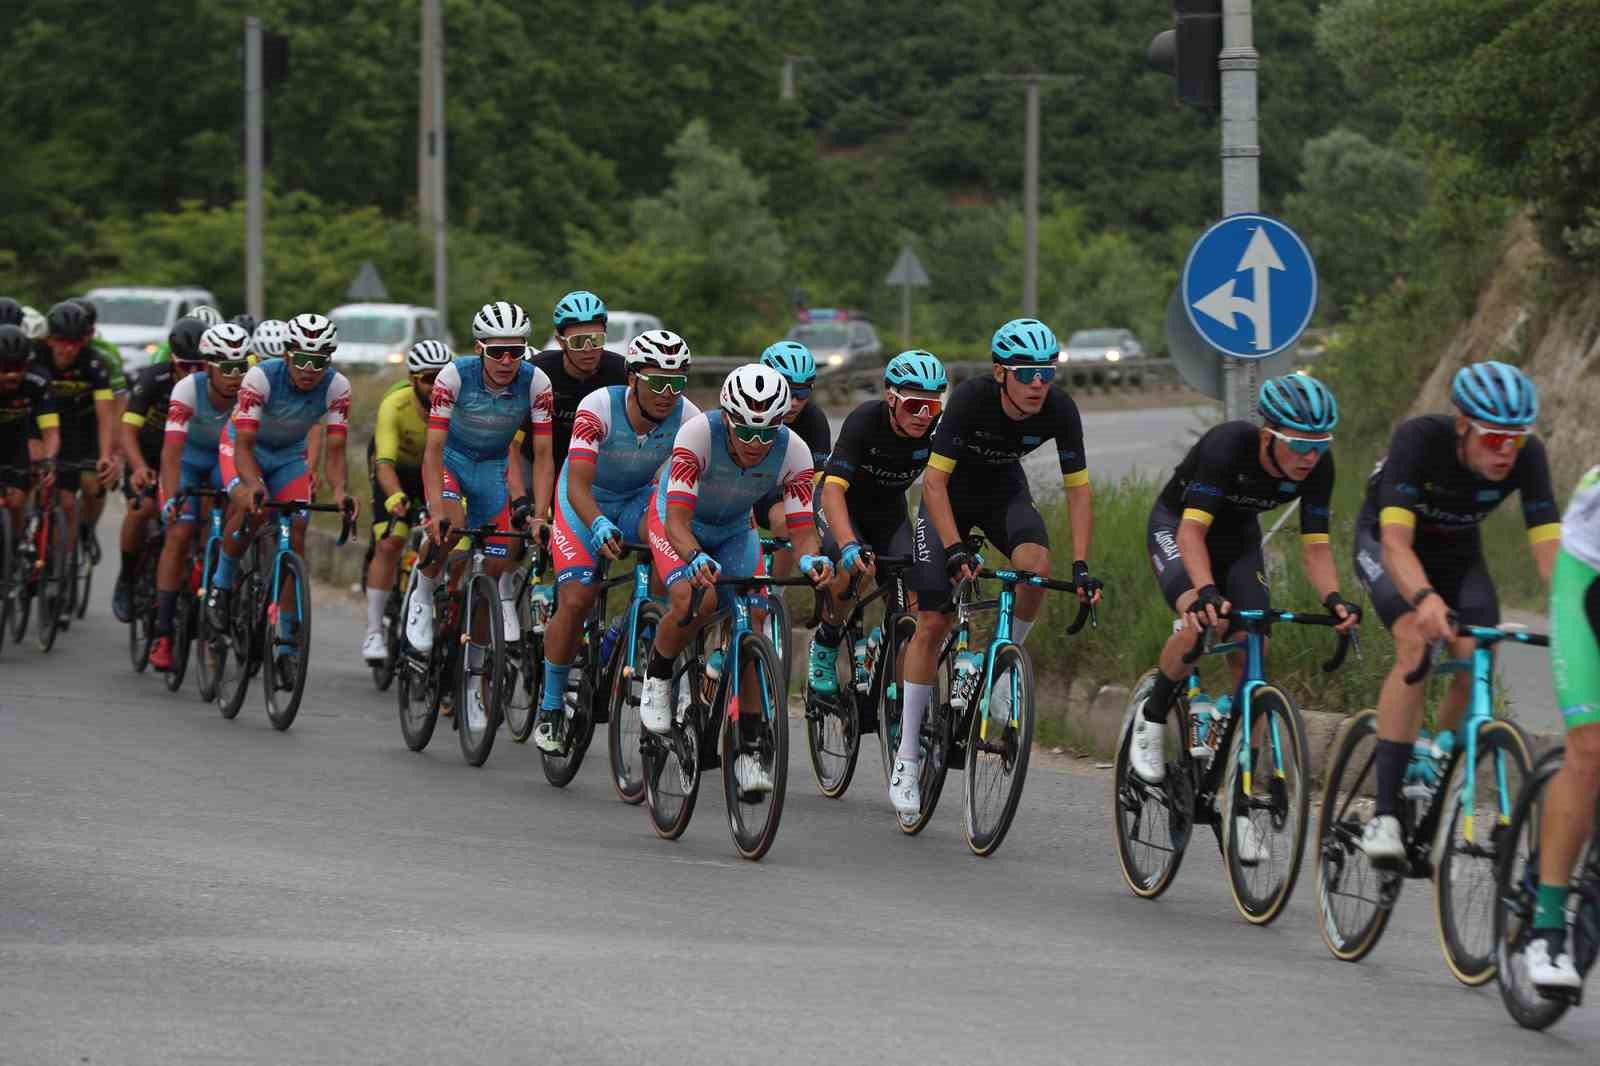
313 334
427 355
500 320
34 324
755 395
271 338
209 315
659 349
224 342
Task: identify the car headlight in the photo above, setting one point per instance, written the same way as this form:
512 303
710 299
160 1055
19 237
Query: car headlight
150 349
835 360
1113 355
395 358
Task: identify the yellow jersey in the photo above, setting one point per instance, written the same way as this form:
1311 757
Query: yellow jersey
402 430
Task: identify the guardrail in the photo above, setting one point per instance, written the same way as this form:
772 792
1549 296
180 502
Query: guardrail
1134 375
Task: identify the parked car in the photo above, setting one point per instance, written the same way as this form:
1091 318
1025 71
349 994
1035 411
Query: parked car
621 327
137 318
837 338
380 334
1102 346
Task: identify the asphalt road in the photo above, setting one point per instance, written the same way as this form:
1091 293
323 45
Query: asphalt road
175 888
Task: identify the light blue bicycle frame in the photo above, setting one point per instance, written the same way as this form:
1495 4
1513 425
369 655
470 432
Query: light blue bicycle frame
1255 675
1480 709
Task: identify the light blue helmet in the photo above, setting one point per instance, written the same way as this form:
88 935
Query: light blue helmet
1298 401
1024 342
580 305
793 360
1497 393
916 369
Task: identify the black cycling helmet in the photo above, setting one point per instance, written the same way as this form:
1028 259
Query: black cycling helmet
89 308
245 319
10 312
185 339
69 321
15 348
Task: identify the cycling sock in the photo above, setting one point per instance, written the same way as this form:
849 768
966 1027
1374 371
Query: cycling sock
1392 758
829 635
223 578
660 666
508 585
555 685
425 586
129 561
1021 627
917 697
166 610
376 598
1159 705
1550 909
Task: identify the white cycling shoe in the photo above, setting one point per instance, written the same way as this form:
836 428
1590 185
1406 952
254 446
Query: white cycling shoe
1382 844
905 789
655 706
510 624
1147 751
1253 847
1547 972
374 649
419 625
477 715
751 775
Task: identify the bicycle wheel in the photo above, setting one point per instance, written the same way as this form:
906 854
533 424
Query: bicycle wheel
383 672
211 647
236 649
936 744
482 664
142 620
25 578
1468 849
182 639
10 577
776 628
833 733
83 572
1354 899
997 755
1274 798
1516 886
753 816
55 584
562 766
524 682
671 765
287 644
627 684
1152 823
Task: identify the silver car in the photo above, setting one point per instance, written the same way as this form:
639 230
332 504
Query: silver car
1102 346
836 343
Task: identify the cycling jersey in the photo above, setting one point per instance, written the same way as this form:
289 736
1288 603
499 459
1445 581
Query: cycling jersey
401 431
25 409
283 417
1222 481
568 392
111 355
147 409
1575 607
482 422
76 388
811 424
976 437
874 464
192 416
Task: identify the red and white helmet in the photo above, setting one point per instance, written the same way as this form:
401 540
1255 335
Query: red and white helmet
658 349
755 395
313 334
224 343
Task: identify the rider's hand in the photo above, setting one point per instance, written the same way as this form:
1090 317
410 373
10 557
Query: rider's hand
703 570
169 511
1208 607
315 480
1341 608
819 568
1433 616
960 563
143 478
47 475
105 470
521 512
1088 588
854 558
606 536
349 506
398 504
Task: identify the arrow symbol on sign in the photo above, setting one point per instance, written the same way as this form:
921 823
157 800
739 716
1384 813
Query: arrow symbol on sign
1260 259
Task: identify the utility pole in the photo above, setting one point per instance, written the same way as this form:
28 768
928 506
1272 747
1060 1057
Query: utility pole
1241 166
433 67
1031 84
424 125
786 82
255 209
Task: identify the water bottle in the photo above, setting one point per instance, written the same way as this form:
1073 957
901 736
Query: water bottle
569 699
608 642
541 600
1426 768
969 664
865 654
1202 719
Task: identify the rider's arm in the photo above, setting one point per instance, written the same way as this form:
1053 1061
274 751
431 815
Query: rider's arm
948 448
690 449
590 426
386 447
1316 553
1539 510
133 420
335 431
542 416
840 467
1074 472
254 392
441 406
798 480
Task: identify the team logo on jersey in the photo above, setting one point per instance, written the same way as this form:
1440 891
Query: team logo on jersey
545 404
1488 495
685 467
250 401
587 429
921 453
341 406
178 415
441 399
799 486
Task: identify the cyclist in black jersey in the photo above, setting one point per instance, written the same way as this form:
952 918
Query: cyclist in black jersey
86 402
30 432
799 368
882 448
1420 557
578 367
975 479
1204 539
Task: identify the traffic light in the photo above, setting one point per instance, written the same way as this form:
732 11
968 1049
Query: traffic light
1190 52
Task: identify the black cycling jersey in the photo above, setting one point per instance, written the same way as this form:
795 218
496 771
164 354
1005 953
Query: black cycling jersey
1222 480
976 439
77 387
874 464
812 425
147 408
1422 483
569 392
24 410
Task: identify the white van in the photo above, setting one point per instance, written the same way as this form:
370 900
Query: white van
379 335
137 318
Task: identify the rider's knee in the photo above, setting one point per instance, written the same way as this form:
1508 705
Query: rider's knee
1583 749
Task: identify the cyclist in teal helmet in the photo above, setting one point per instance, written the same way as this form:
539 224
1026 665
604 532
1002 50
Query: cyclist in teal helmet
1420 557
861 510
794 361
578 365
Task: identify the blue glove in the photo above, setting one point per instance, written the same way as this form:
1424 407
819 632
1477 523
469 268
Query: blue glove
603 529
818 565
169 511
850 555
703 564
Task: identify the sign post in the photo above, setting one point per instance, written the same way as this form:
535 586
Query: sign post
906 272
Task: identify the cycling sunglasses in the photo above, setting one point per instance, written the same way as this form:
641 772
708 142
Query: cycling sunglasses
505 353
1027 375
426 377
189 366
756 434
1496 440
309 361
1303 445
664 383
231 368
916 406
799 393
581 341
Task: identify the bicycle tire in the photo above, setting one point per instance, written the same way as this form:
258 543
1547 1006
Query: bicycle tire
141 619
1278 806
238 647
482 661
561 767
1469 961
383 671
1151 858
937 742
1347 804
26 580
53 583
752 836
182 640
206 663
1007 754
524 685
776 627
672 766
622 733
283 700
833 731
9 575
82 574
1516 885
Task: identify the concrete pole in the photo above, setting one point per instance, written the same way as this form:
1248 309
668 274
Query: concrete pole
424 128
786 83
441 267
1030 203
1241 167
255 208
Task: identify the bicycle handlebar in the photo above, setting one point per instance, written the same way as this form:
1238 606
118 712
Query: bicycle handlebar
1481 634
1255 617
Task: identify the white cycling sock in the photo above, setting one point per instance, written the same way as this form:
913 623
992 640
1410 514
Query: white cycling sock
917 697
423 592
375 601
1020 628
508 584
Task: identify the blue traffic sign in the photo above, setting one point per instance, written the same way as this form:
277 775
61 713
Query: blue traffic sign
1249 286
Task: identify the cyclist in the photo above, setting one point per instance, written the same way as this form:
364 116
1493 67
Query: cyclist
206 316
37 329
699 521
975 479
270 339
27 407
196 413
394 461
1204 541
86 402
478 402
579 366
109 353
245 321
882 448
1420 557
262 451
10 312
794 361
620 437
1571 795
144 427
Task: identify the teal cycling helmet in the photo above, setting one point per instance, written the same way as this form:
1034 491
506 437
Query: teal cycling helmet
1298 401
580 305
1496 393
793 360
1024 342
916 369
